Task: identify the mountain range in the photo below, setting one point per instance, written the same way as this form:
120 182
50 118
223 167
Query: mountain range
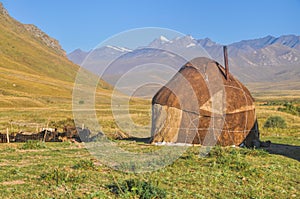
267 59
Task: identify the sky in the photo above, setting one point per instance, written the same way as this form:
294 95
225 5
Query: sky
85 23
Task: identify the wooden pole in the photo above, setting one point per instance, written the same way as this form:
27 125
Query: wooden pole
46 131
7 135
226 62
11 127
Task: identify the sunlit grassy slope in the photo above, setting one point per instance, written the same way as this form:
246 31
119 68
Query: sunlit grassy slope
36 80
65 170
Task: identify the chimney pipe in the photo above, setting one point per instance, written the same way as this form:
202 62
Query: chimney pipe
226 62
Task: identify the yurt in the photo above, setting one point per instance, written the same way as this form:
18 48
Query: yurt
204 104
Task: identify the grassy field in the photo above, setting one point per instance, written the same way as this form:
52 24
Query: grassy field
68 170
62 170
36 80
36 83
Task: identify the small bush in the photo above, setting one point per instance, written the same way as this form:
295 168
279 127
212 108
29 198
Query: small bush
136 188
217 151
97 194
61 176
290 108
275 122
62 123
228 158
273 103
33 144
9 149
84 164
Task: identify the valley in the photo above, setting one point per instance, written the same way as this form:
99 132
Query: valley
37 81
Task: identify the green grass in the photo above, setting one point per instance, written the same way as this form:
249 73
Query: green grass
36 81
33 144
62 170
36 90
65 171
135 188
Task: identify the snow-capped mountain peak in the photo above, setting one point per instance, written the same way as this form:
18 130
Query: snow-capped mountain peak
160 41
190 37
190 45
117 48
164 39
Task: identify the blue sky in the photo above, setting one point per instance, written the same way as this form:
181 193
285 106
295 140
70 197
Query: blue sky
85 23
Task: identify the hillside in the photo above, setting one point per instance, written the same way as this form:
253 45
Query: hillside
36 78
31 62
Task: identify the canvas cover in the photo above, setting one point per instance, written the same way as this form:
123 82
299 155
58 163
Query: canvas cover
199 105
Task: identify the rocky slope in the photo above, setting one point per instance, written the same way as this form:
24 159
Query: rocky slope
46 39
34 31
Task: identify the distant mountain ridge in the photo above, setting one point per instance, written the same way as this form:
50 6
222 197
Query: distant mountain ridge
267 59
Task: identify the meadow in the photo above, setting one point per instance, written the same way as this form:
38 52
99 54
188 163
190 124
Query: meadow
68 170
36 83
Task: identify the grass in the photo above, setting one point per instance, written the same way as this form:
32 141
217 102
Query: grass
65 171
62 170
36 90
36 80
136 188
33 144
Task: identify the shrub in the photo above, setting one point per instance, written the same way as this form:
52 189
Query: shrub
136 188
62 123
228 158
84 164
275 122
290 108
61 176
33 144
273 103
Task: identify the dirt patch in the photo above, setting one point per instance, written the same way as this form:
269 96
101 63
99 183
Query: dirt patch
15 182
3 164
